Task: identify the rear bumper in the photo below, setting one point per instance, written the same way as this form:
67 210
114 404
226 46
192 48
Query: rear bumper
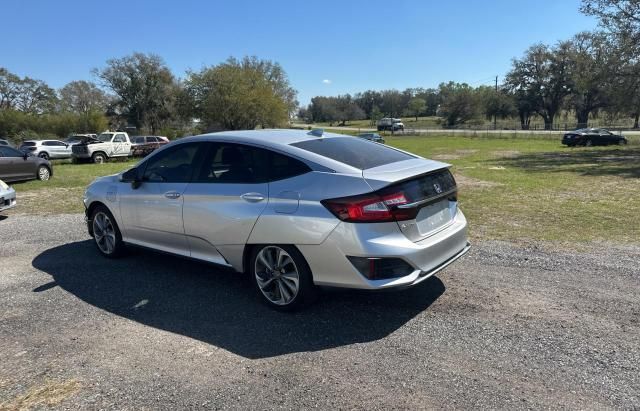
7 199
330 266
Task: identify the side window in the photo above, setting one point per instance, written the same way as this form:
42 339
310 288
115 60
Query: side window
172 166
9 152
152 140
139 140
282 167
119 138
240 164
233 163
48 143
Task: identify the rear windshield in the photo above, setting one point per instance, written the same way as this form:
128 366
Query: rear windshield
355 152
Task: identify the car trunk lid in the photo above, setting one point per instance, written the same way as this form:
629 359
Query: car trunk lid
429 191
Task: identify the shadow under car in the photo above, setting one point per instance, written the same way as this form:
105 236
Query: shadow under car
217 306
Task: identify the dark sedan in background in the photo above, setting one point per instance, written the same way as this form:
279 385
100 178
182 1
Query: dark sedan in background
18 166
592 137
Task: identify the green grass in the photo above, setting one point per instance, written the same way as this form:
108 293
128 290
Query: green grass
521 189
510 188
63 192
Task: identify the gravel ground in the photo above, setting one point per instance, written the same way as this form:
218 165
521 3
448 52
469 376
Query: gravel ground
508 326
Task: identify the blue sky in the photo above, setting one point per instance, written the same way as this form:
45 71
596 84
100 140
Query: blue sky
354 45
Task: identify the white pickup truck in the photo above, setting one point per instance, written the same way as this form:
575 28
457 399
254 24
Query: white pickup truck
105 146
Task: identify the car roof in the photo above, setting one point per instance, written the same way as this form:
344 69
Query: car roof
279 140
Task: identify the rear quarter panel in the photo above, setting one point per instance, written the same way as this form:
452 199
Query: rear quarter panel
294 214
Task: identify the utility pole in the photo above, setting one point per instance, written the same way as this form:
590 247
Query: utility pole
494 114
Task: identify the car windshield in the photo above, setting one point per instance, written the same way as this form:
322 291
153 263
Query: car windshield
353 151
105 137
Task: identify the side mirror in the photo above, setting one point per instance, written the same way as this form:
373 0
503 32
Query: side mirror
131 176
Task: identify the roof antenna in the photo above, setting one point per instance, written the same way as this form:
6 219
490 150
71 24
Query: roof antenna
316 132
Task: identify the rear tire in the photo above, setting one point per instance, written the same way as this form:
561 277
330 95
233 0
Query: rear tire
281 276
106 233
44 174
44 155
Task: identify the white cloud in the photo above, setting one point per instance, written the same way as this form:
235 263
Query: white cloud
326 81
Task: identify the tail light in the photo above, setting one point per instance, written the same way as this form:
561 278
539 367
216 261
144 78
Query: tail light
371 208
398 202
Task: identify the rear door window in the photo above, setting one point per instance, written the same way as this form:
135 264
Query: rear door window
242 164
355 152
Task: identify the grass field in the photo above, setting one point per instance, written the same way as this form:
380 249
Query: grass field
511 189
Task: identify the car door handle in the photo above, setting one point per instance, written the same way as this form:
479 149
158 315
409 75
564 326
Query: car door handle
252 197
172 195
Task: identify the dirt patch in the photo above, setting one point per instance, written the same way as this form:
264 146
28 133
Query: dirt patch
506 153
48 201
453 156
447 156
48 394
470 182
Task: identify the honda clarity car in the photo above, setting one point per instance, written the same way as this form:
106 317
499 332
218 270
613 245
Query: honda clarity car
592 137
294 210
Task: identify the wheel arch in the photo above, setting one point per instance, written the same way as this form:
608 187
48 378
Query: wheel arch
91 208
100 152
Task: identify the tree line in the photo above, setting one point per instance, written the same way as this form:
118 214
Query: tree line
592 74
140 91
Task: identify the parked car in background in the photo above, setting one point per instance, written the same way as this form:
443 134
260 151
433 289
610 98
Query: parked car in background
47 149
592 137
110 144
18 166
7 196
144 145
4 142
375 137
294 210
390 124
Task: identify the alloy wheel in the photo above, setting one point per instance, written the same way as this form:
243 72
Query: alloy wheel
104 233
43 173
277 275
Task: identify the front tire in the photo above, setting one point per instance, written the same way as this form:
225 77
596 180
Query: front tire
99 158
281 276
44 174
106 233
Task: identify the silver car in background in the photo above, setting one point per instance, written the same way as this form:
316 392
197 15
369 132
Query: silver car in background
293 209
47 149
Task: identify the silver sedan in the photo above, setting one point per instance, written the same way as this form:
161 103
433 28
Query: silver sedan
292 209
7 196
